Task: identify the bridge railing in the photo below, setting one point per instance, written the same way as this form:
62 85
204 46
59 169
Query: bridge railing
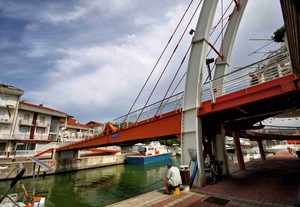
276 65
156 109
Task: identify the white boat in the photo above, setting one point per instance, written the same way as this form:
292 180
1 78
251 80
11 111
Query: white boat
144 154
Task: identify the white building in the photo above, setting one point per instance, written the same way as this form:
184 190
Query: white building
9 101
37 124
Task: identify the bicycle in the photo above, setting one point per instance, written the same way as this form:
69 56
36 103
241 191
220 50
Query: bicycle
213 171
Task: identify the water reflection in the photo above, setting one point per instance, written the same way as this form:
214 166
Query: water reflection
98 187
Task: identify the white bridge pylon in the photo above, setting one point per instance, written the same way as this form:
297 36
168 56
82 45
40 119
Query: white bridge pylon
192 130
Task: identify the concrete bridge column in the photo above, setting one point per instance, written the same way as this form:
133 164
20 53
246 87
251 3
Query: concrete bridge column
192 131
238 150
54 154
220 150
261 150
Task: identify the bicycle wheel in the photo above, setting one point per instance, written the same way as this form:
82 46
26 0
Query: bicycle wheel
211 178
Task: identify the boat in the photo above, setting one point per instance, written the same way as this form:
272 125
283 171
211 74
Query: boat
230 149
144 154
11 200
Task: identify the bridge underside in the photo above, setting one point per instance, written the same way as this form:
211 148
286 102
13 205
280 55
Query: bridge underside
242 109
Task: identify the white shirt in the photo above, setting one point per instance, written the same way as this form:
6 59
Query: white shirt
174 177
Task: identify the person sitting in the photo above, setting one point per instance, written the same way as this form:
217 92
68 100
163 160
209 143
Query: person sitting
254 78
173 179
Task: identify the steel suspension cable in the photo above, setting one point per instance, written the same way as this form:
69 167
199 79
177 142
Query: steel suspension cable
174 78
214 28
166 46
169 60
221 33
217 38
223 27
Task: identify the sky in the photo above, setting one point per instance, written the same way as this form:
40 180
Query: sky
90 58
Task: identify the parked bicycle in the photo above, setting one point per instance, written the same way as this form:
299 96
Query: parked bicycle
213 171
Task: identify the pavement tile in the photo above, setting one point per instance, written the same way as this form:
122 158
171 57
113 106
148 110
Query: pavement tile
270 183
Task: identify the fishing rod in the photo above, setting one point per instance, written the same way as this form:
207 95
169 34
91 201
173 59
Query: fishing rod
152 184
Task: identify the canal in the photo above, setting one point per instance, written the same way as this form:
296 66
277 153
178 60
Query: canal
97 187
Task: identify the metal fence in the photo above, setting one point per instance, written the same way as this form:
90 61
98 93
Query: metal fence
276 65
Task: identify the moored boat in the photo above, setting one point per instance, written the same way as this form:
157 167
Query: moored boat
154 152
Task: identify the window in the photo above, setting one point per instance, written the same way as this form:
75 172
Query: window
40 130
39 133
4 97
2 113
26 117
42 119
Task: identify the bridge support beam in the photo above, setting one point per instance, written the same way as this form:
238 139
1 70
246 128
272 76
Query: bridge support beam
54 154
238 150
227 45
192 125
261 150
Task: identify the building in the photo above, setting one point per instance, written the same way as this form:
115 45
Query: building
37 124
9 103
25 126
96 127
75 131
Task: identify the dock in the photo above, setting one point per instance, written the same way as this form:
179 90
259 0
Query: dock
274 182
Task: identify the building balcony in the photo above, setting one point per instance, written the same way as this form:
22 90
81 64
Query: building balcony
4 105
5 120
25 122
27 137
42 124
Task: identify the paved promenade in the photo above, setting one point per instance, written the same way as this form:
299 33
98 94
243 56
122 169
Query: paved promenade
274 182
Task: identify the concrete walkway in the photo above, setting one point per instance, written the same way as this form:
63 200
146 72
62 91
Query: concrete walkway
273 182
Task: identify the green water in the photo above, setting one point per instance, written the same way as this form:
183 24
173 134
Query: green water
97 187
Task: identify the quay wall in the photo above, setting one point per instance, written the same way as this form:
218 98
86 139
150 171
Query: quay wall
8 168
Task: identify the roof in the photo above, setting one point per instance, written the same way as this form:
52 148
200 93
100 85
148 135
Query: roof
94 123
41 109
9 89
74 124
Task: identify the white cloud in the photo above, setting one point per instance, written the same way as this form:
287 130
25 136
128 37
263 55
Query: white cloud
100 75
92 57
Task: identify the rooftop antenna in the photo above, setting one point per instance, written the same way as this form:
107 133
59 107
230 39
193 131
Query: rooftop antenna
261 39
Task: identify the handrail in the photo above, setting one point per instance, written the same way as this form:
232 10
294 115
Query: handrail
168 104
276 65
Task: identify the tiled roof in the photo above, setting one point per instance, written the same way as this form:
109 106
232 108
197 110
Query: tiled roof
40 107
75 124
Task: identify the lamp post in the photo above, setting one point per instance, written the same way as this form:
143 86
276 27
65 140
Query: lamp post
208 62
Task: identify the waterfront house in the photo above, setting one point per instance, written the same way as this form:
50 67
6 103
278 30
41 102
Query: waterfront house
76 131
9 101
36 125
96 127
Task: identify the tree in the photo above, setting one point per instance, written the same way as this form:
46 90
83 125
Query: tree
279 34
